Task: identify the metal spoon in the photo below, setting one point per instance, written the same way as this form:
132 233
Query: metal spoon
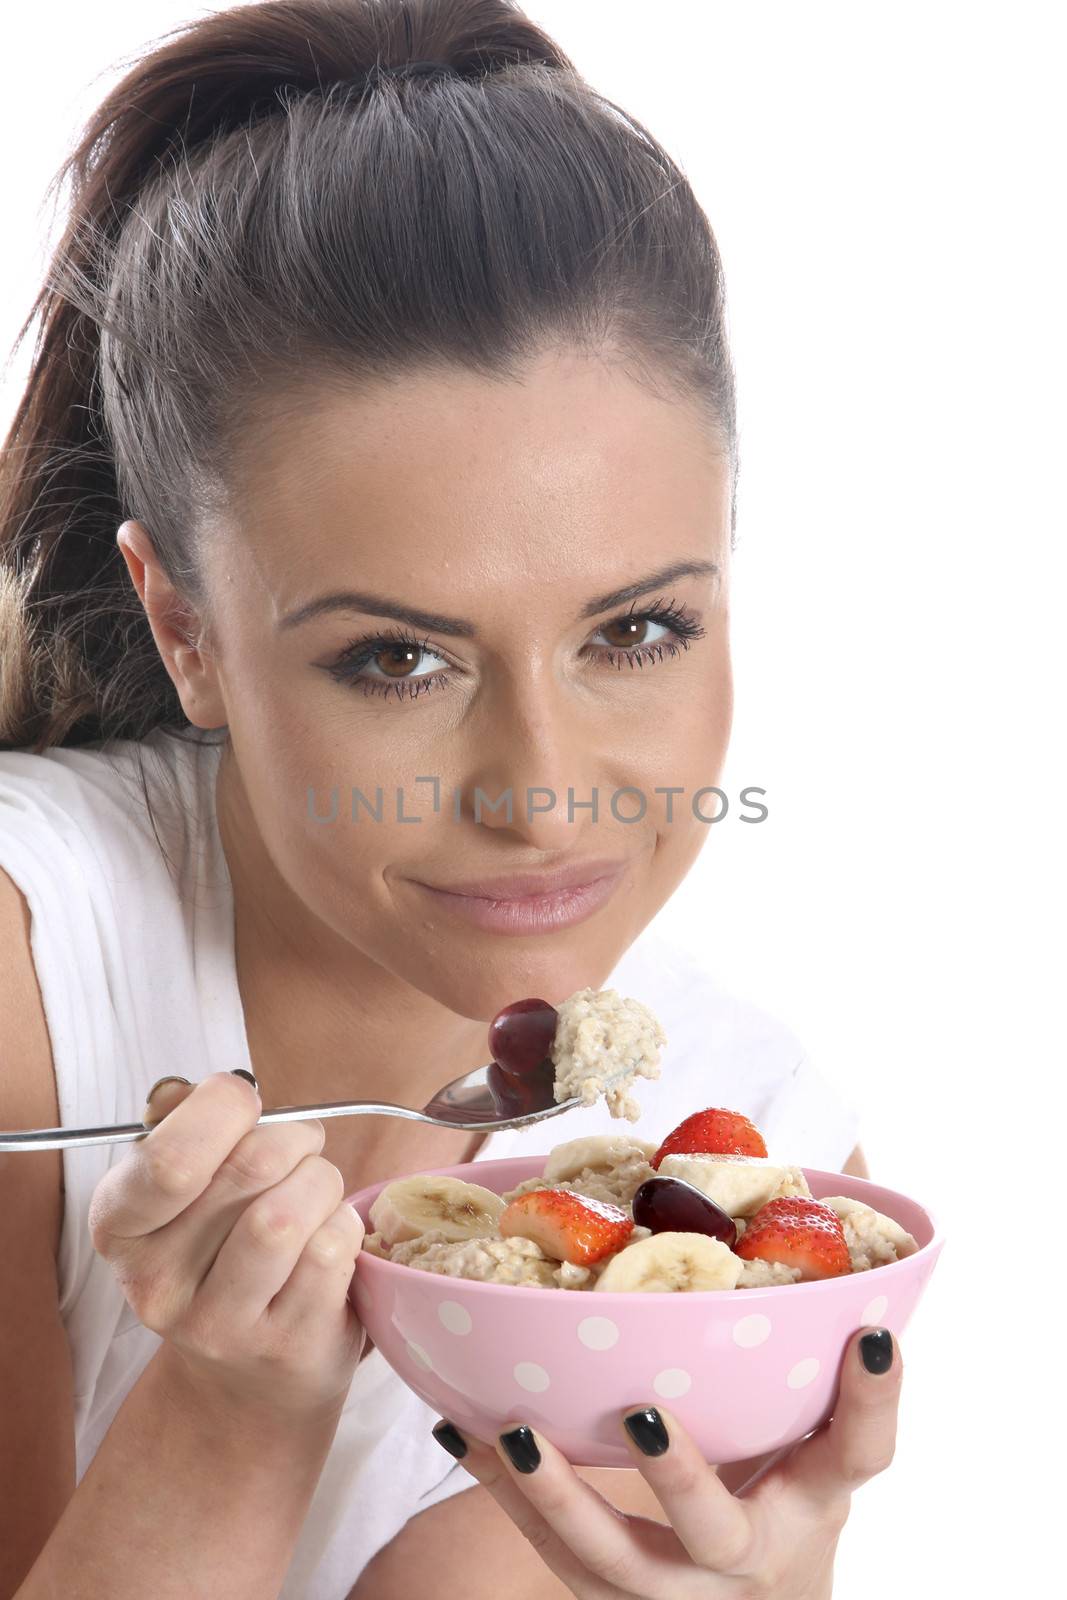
486 1098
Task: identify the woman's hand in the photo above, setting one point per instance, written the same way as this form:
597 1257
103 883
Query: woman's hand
233 1243
775 1537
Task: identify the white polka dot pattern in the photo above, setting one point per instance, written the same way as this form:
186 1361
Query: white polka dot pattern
598 1333
752 1330
529 1376
803 1373
672 1382
751 1373
601 1333
875 1309
454 1317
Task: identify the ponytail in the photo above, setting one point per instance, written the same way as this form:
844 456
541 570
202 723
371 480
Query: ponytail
72 630
260 203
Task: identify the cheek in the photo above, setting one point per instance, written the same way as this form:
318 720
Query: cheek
684 749
710 714
333 864
317 805
682 735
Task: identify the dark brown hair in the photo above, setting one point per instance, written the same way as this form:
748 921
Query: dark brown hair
249 215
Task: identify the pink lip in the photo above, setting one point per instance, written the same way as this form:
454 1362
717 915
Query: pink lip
532 913
523 885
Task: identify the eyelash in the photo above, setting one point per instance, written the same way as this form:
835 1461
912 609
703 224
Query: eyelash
348 666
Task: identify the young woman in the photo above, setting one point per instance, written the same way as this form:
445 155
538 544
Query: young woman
380 437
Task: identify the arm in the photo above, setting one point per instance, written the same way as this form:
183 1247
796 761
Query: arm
172 1504
466 1548
37 1462
857 1164
424 1554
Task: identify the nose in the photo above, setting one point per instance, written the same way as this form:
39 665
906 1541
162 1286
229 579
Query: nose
540 754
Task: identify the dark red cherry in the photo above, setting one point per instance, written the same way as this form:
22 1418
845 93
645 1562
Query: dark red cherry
671 1205
521 1035
517 1097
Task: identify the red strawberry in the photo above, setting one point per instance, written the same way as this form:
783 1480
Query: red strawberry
714 1132
799 1232
567 1226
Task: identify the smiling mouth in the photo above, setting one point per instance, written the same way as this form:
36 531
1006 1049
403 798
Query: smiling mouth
532 885
530 913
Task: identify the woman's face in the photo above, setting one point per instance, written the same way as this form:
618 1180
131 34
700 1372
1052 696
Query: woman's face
511 513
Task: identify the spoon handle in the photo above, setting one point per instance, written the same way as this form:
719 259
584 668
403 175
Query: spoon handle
128 1132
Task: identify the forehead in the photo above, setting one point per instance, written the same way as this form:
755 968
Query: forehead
577 468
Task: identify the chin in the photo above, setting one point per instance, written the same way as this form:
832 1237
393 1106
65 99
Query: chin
485 982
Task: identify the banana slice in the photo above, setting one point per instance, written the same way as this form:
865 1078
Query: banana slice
740 1184
873 1239
598 1152
671 1263
408 1207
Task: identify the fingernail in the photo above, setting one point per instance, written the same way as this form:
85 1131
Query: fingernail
147 1111
647 1431
174 1078
876 1350
522 1450
451 1438
242 1072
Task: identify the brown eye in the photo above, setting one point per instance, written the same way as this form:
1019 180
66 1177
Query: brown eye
630 630
381 663
396 661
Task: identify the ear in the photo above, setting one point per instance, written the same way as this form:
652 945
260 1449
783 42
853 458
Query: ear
176 628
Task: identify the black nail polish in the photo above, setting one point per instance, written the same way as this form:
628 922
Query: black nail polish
242 1072
876 1350
647 1431
521 1446
451 1438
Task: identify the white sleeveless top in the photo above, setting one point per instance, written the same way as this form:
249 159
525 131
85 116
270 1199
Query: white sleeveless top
138 980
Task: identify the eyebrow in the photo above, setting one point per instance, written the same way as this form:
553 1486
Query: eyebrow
378 605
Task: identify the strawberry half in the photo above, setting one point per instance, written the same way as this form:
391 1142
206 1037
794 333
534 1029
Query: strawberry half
799 1232
567 1226
714 1132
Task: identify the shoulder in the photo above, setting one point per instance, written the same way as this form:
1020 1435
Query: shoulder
105 807
106 905
113 773
73 792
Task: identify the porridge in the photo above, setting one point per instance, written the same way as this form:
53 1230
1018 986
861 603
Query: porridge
706 1208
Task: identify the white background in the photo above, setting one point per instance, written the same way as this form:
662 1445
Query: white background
886 185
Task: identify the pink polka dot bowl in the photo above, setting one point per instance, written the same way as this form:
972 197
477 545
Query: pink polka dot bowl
744 1370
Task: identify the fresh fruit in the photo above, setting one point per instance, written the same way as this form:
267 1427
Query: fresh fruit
670 1263
567 1226
798 1232
518 1097
873 1239
408 1207
670 1205
713 1132
597 1152
739 1184
521 1035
